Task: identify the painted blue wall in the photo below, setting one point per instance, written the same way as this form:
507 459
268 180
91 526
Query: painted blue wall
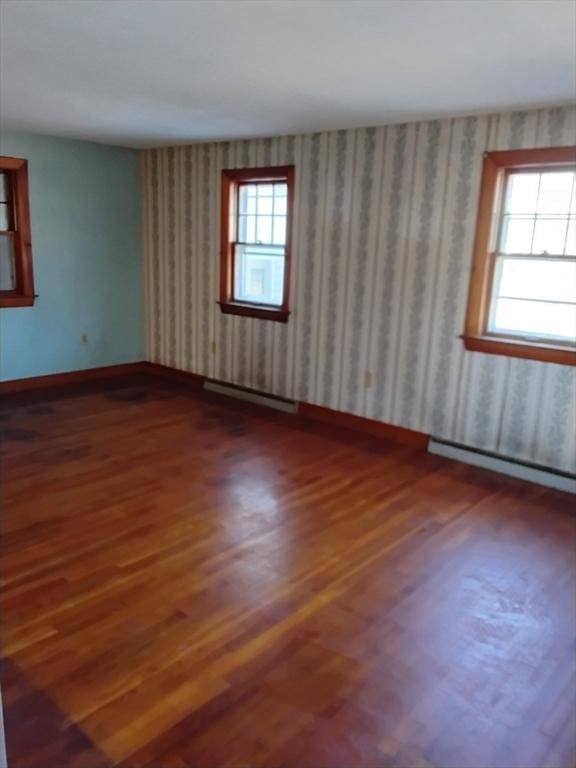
85 214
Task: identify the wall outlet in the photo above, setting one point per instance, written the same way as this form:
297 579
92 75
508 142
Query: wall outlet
213 347
368 379
84 338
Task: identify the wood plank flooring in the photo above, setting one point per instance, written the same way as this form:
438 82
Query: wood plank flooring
190 582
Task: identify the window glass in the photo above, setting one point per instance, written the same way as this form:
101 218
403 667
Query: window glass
522 193
7 272
517 234
262 213
259 274
555 193
570 249
537 279
535 319
549 236
538 214
4 217
536 297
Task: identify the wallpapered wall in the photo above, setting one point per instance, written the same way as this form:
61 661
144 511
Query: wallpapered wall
383 235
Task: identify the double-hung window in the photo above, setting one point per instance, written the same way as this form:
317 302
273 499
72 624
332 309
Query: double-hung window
523 289
255 256
16 279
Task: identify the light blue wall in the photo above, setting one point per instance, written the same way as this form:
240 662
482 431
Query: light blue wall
85 213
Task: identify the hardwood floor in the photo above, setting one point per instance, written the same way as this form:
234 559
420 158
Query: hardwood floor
194 582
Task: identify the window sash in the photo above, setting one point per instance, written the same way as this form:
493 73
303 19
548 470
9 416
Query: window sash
529 335
8 266
500 257
264 253
533 214
253 218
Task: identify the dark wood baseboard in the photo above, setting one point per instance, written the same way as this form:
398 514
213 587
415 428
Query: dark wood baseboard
368 426
70 377
318 413
306 411
194 379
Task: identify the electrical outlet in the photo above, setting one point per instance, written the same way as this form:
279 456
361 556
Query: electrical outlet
84 338
213 347
368 379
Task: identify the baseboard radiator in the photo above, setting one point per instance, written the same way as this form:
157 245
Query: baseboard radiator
562 481
251 396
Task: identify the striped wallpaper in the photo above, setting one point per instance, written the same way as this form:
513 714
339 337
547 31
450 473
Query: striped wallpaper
383 235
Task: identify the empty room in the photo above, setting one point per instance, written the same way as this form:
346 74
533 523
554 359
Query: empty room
288 383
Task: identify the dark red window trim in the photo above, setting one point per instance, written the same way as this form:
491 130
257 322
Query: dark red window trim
16 171
231 179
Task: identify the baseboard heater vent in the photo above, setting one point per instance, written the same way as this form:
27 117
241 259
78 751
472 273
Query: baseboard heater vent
563 481
251 396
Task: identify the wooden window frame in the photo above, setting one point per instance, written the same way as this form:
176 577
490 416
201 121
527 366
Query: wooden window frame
16 170
476 336
231 179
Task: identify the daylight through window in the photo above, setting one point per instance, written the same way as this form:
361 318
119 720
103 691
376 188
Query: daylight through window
256 213
523 289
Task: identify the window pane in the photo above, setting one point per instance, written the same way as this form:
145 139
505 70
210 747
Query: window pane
242 200
280 205
246 203
517 234
535 319
571 238
522 192
265 206
4 216
259 277
549 236
549 280
247 229
7 273
265 190
247 198
279 230
264 229
555 192
3 188
280 190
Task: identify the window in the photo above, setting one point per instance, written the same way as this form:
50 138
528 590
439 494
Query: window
16 279
522 299
256 226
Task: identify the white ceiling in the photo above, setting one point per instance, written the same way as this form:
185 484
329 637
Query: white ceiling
151 72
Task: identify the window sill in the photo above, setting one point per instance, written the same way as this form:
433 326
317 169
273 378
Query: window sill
546 353
259 311
14 300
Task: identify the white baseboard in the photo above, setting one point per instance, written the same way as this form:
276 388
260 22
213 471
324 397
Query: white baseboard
250 396
562 482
